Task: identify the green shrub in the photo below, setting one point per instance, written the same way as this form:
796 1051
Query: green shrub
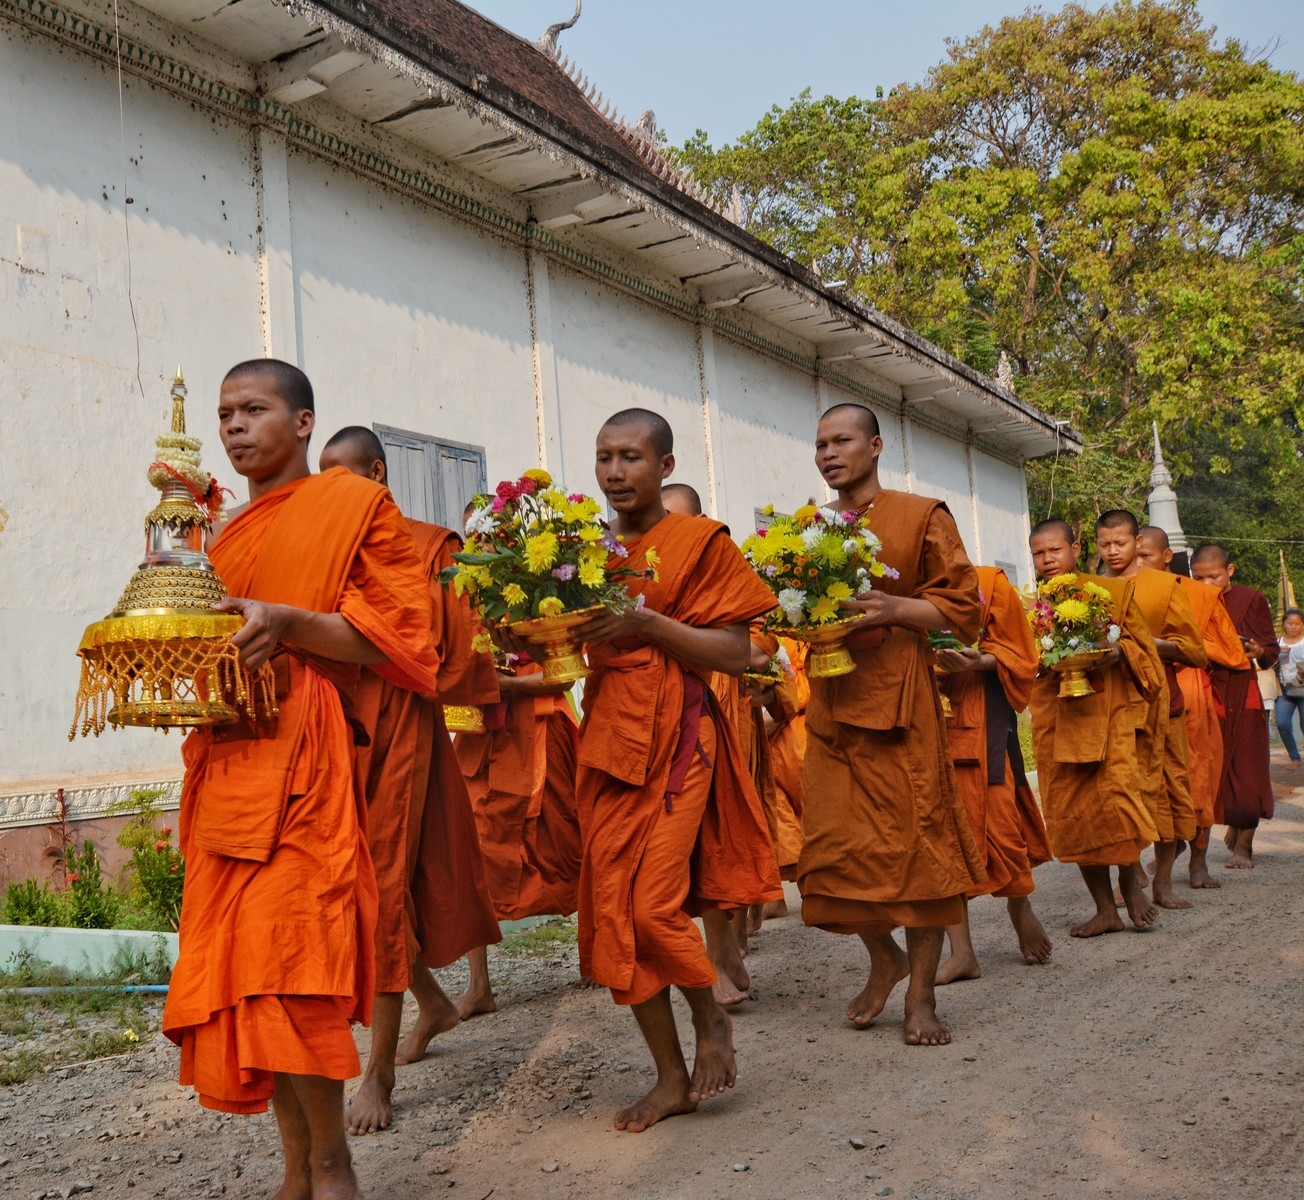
90 905
157 868
32 903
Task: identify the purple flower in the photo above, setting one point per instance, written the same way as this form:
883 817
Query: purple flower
891 572
639 601
771 570
564 572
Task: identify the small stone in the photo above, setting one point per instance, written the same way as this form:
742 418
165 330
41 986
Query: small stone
1188 1120
442 1169
551 1168
857 1143
741 1167
970 1058
884 1191
82 1185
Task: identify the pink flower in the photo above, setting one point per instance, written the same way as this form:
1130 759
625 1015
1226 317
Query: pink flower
507 491
525 485
639 601
498 505
576 497
564 572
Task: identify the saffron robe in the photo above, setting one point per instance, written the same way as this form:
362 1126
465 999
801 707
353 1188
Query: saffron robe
434 899
788 740
1087 770
984 740
279 910
1162 752
887 839
1203 713
520 774
662 844
1245 789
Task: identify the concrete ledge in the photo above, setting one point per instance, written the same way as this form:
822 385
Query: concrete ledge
81 951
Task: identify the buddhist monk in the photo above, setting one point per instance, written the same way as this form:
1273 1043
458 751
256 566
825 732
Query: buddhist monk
1245 790
1086 748
787 732
1162 744
670 826
887 840
1203 724
520 773
280 903
434 903
988 685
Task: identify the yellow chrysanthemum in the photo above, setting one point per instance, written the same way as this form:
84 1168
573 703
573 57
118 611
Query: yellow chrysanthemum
767 510
482 643
593 556
591 574
839 591
651 557
590 533
514 595
806 512
824 609
540 476
1100 593
1071 611
1060 581
550 606
540 552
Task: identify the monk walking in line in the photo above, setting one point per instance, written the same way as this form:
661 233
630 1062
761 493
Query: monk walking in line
671 825
278 919
1162 745
887 840
1203 724
1245 790
988 685
433 900
520 773
1086 748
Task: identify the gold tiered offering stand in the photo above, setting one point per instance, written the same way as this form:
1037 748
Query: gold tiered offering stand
163 657
828 655
560 652
1072 671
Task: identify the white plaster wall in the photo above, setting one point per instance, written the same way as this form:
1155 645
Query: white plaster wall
407 318
613 352
77 433
1003 514
938 468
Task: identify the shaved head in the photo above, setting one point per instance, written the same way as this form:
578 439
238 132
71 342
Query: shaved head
865 416
1152 533
1211 554
1118 518
681 498
1054 525
286 380
658 428
359 444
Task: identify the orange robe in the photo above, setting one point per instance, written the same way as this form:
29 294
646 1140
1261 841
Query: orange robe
1085 746
1203 730
418 826
984 740
887 839
1245 790
1162 753
788 737
520 774
672 823
280 900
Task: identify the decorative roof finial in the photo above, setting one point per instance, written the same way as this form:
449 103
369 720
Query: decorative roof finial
646 126
1162 501
1005 373
548 39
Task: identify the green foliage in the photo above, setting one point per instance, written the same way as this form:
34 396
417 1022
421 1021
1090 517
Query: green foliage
157 870
543 938
89 904
31 903
1107 196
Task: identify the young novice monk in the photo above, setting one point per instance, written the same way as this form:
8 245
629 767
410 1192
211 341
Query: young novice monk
280 901
987 686
1086 748
669 828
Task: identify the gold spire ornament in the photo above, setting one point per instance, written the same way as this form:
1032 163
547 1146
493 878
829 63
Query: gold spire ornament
164 657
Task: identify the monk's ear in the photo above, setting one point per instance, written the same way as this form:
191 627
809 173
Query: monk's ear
1231 569
377 471
305 420
1168 555
667 466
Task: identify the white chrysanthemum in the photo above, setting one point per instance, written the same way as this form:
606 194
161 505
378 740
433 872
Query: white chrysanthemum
1114 634
872 542
811 536
780 656
851 546
865 586
830 514
480 521
793 603
1047 642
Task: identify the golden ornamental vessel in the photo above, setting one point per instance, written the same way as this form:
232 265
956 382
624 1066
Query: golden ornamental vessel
1072 671
828 655
559 641
163 657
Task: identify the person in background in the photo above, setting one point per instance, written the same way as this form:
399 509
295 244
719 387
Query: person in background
1290 671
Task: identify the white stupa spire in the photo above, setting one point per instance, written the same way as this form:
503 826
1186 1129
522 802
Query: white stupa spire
1162 501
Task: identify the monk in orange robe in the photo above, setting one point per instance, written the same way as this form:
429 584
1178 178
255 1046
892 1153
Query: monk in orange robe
280 902
412 827
1245 789
787 731
1162 747
1203 727
987 686
887 840
671 824
1086 748
520 773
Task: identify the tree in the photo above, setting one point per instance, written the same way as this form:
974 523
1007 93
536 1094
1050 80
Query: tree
1107 196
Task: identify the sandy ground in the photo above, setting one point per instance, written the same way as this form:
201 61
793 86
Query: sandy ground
1160 1064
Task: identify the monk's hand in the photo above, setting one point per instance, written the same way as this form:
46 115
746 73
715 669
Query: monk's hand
762 697
1253 648
871 611
261 634
760 661
607 626
1111 656
952 661
531 685
507 642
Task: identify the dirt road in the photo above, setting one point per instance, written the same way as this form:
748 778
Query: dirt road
1155 1065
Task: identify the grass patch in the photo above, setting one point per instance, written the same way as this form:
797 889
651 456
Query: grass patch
539 940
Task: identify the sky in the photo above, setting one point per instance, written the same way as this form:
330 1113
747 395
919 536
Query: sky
719 65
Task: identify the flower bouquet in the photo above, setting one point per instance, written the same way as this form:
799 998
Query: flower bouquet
1071 620
812 561
944 639
779 671
535 563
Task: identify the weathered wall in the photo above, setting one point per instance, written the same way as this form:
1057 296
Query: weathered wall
401 316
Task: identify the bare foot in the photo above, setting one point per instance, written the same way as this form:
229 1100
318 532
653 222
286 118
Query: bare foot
724 991
1200 877
339 1184
774 910
714 1067
1098 924
922 1028
866 1006
584 983
1142 912
664 1100
428 1027
1229 838
475 1003
1165 898
1293 765
297 1185
755 918
957 967
1034 942
370 1111
1239 862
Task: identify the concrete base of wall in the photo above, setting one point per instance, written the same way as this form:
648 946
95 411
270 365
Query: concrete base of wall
82 951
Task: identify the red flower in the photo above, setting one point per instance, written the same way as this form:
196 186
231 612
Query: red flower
507 491
73 877
166 831
173 868
160 845
525 485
